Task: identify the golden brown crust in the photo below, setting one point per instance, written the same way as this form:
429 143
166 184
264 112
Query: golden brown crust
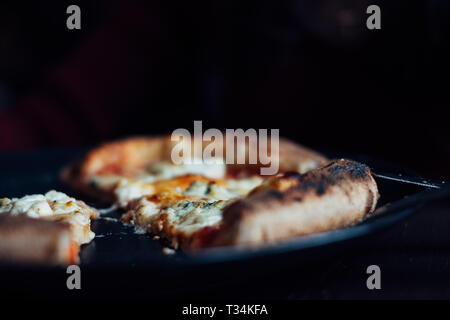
29 240
125 157
129 157
335 196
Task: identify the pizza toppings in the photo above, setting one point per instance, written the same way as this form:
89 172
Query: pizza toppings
127 190
209 169
149 159
176 217
179 211
34 206
179 208
224 190
129 187
54 206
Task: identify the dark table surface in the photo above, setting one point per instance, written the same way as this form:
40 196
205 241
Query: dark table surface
413 255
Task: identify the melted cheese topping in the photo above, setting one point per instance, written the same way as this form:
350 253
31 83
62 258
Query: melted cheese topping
163 171
166 170
178 211
34 206
177 217
130 189
57 206
194 185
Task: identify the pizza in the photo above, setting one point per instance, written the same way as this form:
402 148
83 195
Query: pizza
44 228
209 205
210 213
148 159
193 205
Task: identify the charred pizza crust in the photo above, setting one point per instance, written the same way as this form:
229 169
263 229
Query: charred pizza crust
338 195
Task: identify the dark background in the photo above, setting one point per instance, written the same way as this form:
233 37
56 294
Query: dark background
309 68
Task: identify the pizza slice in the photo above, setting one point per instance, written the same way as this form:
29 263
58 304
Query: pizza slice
127 190
208 214
46 228
177 208
148 159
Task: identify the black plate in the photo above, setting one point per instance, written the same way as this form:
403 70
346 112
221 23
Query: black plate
117 249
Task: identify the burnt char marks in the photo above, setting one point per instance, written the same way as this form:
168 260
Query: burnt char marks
320 180
320 188
275 194
317 181
292 174
338 195
313 183
318 185
338 170
352 169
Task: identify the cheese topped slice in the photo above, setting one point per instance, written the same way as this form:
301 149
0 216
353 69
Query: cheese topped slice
175 216
181 211
165 170
56 206
193 185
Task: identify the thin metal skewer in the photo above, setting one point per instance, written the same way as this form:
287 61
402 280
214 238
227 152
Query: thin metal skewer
423 184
